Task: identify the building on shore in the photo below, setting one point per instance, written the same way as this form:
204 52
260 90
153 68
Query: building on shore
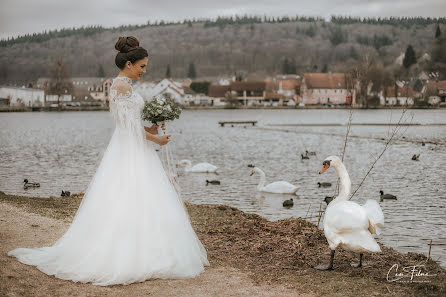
86 91
395 95
248 93
283 90
219 93
21 97
327 88
435 92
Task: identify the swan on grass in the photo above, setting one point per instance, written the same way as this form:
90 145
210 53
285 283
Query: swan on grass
200 167
280 187
348 224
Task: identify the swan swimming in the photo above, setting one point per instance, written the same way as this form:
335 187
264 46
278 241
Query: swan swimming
348 224
200 167
280 187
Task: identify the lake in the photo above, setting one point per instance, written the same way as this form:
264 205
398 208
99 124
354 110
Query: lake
61 150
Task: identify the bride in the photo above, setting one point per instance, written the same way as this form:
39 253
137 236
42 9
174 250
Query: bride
131 225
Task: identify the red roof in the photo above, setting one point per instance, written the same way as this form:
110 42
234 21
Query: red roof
218 91
287 84
273 96
402 92
441 84
325 80
433 87
248 86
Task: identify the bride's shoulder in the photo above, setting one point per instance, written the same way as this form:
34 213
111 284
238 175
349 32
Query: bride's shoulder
121 87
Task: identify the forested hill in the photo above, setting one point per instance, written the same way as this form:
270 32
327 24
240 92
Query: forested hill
252 46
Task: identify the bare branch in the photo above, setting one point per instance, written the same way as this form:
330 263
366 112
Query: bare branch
388 142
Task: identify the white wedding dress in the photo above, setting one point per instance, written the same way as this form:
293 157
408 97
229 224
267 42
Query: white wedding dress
131 225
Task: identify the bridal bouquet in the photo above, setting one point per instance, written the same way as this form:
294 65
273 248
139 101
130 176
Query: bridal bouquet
161 108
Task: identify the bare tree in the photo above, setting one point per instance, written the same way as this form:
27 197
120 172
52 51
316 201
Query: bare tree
60 82
361 73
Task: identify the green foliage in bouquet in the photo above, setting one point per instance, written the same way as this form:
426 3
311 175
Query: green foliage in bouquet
161 108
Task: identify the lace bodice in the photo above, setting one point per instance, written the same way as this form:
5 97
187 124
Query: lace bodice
126 105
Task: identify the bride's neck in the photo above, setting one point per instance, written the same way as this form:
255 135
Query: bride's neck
346 184
123 73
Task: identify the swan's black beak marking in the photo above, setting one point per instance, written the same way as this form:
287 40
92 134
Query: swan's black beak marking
251 173
326 165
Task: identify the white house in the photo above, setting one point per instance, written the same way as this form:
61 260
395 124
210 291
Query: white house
22 96
145 89
172 88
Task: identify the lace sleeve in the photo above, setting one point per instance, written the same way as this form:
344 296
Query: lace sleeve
124 109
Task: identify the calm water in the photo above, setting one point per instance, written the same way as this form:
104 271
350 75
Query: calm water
62 151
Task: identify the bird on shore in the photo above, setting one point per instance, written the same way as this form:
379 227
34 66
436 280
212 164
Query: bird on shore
27 184
288 203
416 157
279 187
304 157
348 224
324 185
386 196
198 168
212 182
65 194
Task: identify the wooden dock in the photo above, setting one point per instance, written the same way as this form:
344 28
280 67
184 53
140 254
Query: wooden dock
223 123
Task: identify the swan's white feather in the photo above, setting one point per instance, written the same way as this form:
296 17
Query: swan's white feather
281 187
203 167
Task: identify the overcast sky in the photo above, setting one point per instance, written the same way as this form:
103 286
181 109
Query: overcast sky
18 17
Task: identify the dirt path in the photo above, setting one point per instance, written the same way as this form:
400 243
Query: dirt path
19 228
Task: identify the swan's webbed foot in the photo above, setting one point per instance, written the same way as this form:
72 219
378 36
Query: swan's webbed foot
329 266
358 265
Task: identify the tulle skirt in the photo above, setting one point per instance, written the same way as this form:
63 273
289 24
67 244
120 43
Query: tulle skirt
131 225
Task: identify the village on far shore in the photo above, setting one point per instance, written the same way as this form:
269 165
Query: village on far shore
282 91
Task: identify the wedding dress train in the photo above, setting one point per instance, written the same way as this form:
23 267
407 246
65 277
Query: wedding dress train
131 225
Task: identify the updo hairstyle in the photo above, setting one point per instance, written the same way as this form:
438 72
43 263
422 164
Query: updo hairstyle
129 50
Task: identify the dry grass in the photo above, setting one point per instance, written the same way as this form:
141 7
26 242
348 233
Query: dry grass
281 252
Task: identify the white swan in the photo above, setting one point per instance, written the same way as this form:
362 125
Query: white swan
280 187
348 224
200 167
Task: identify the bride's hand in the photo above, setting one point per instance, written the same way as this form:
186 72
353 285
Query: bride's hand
163 140
152 130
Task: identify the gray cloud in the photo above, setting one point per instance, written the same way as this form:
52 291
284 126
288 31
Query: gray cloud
18 17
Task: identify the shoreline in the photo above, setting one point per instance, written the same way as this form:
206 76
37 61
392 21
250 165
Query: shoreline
98 108
280 253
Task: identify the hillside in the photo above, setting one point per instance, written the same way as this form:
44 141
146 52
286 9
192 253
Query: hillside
254 49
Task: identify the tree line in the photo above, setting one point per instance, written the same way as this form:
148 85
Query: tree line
222 21
240 51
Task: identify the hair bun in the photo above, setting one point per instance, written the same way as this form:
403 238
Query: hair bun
127 44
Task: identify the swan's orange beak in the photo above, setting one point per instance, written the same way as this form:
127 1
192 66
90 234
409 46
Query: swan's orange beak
326 166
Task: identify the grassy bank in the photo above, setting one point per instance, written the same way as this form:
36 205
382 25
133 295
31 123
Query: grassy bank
281 252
